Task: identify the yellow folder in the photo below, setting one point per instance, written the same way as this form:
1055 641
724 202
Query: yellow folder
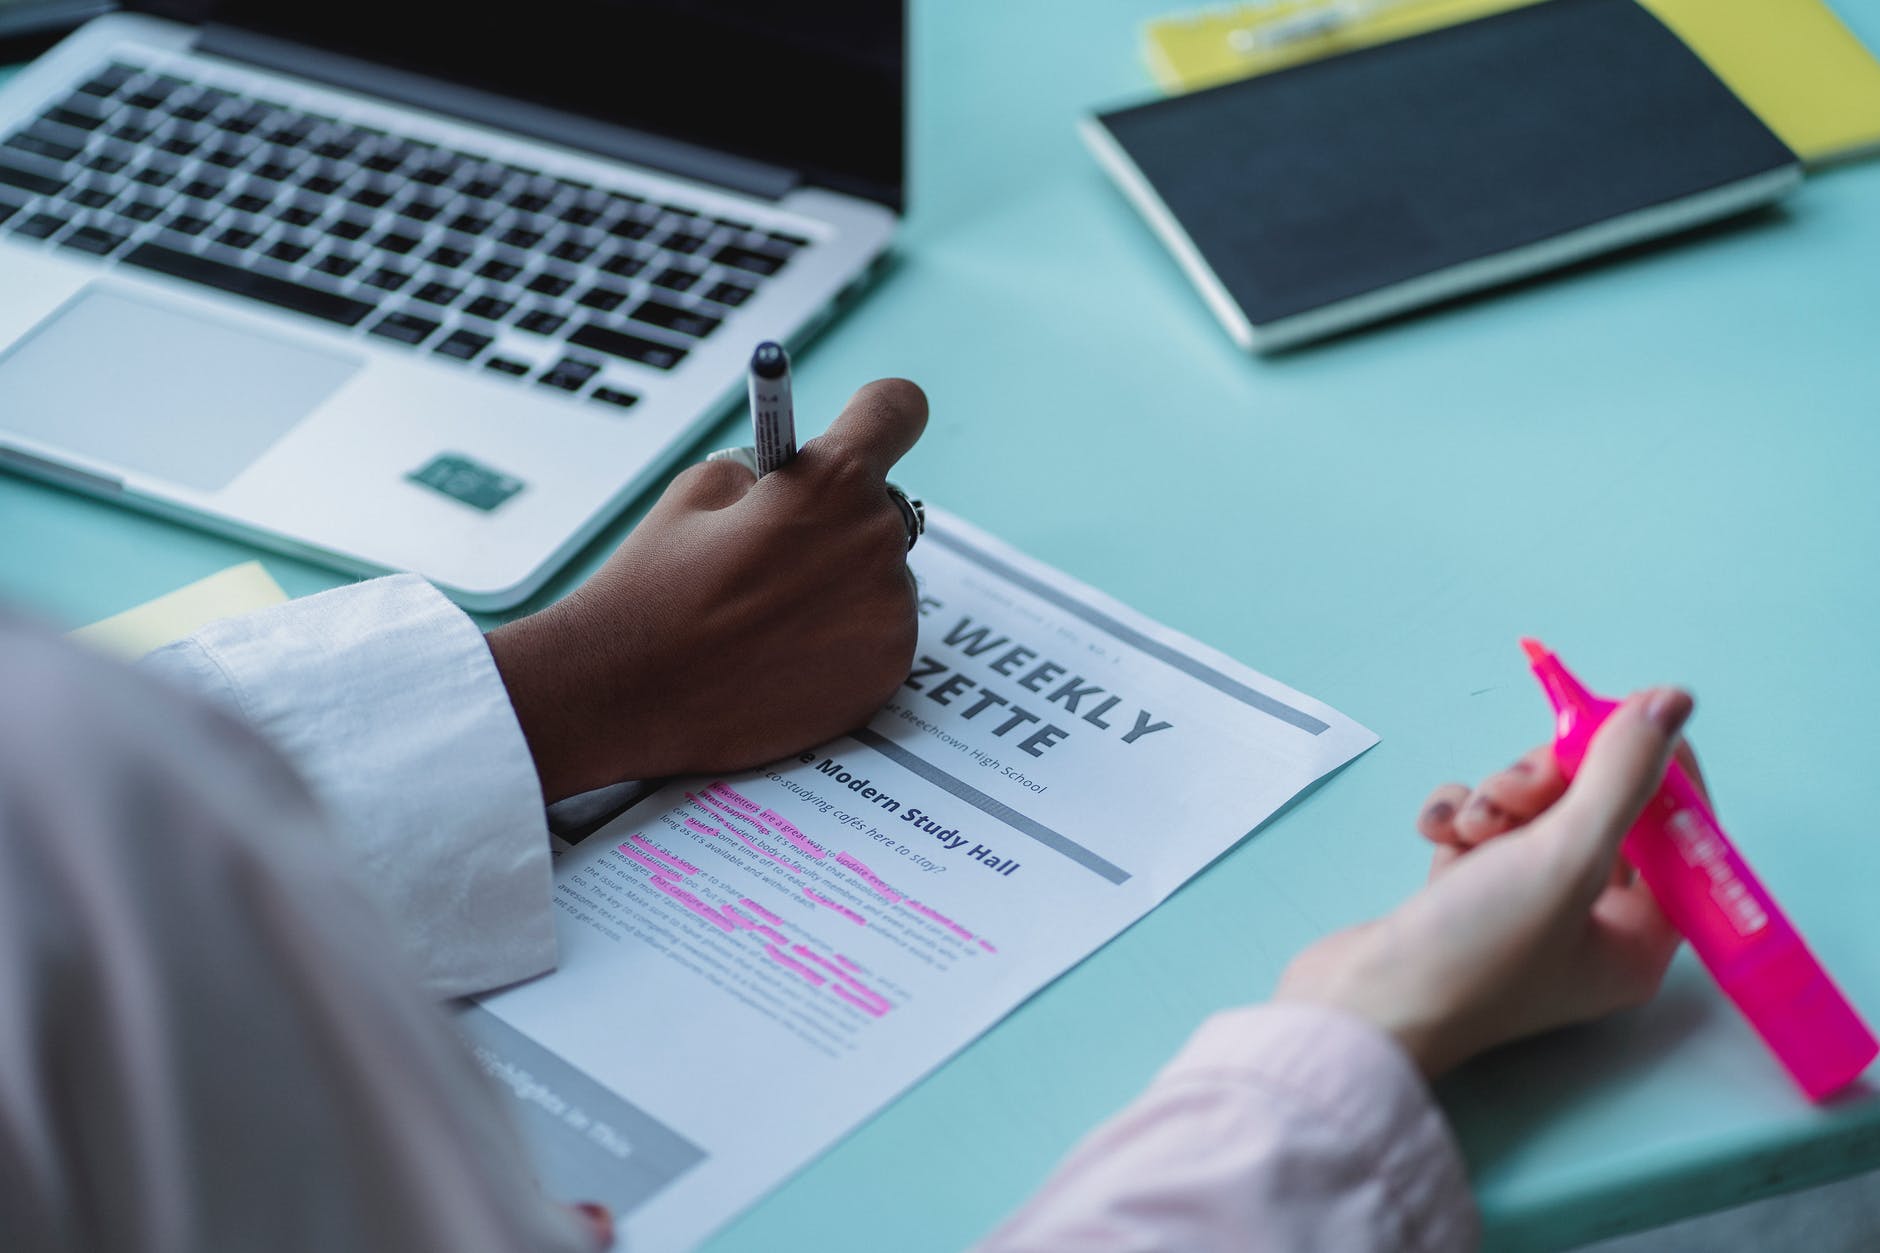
1791 61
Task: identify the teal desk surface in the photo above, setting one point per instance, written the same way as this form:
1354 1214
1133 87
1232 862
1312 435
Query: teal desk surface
1663 464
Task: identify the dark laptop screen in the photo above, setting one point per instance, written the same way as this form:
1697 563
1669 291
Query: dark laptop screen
815 85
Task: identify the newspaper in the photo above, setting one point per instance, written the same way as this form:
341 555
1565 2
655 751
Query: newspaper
752 965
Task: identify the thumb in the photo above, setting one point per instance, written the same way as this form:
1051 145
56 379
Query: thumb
1624 765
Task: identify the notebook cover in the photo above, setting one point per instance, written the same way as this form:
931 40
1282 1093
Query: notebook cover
1322 196
1791 61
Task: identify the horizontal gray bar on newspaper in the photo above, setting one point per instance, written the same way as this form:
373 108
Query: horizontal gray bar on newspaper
987 805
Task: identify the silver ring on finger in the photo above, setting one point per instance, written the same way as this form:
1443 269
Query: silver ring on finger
913 514
744 454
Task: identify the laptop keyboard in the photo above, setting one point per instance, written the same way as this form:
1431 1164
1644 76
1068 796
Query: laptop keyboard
490 265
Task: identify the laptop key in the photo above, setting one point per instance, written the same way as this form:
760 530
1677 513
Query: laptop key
548 284
28 180
406 328
92 197
143 211
493 308
348 228
420 209
498 270
570 374
154 176
388 278
187 224
107 82
237 237
463 344
280 292
748 259
469 224
438 294
672 278
73 118
624 264
540 322
396 243
684 244
338 264
37 145
7 210
287 251
572 251
248 202
614 396
303 213
95 240
39 226
448 257
507 365
672 318
729 294
603 299
629 347
520 237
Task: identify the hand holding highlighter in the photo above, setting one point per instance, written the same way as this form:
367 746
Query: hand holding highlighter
1710 895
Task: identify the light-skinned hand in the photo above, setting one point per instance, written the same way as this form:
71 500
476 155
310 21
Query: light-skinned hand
1530 919
741 621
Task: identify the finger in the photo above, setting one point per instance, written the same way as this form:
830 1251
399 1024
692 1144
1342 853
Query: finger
1529 787
1445 856
882 421
1482 819
1624 766
1436 820
1688 759
1633 943
598 1220
710 485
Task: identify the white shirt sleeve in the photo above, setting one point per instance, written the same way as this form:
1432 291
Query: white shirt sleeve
385 698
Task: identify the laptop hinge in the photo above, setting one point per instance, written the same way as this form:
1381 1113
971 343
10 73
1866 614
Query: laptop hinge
672 156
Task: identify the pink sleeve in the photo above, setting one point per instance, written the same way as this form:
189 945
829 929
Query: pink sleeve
1286 1126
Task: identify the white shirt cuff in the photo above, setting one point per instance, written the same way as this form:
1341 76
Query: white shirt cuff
386 699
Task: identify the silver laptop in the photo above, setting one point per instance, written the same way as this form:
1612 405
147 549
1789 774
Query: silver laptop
409 285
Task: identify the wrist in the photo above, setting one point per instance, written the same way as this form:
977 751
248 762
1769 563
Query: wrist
1359 973
560 686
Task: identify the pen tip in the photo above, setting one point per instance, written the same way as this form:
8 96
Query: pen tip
1535 650
770 360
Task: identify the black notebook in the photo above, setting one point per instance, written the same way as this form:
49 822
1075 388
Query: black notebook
1335 193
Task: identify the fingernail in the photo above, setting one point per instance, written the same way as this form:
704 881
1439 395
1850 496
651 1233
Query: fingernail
1440 811
600 1222
1668 708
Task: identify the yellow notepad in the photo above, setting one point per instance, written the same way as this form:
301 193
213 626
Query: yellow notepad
1792 61
236 590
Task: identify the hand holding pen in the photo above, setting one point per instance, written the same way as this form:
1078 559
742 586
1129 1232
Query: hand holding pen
773 429
743 620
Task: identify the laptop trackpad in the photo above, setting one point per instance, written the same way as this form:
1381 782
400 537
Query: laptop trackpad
159 391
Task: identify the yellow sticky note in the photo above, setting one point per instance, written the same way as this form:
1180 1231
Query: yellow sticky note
1791 61
236 590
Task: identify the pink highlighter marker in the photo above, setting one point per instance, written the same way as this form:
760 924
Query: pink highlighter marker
1713 899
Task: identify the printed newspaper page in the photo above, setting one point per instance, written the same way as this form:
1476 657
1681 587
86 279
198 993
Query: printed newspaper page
750 966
